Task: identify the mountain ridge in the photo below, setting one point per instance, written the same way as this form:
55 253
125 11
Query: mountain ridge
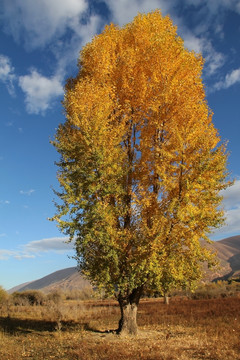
64 279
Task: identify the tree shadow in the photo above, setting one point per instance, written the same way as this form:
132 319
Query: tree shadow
13 326
91 329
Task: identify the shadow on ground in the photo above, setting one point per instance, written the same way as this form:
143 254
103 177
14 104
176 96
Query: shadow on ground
13 326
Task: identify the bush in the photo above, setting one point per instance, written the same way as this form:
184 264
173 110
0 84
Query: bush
84 294
3 295
55 296
214 290
29 297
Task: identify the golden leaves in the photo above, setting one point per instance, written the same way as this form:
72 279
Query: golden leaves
140 170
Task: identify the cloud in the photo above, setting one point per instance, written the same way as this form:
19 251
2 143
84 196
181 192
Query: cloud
67 52
27 192
39 91
6 254
61 26
123 11
37 23
4 202
24 256
7 75
231 204
35 248
214 60
3 235
230 79
231 196
56 244
213 6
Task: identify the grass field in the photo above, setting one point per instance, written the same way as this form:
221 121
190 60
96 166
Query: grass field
77 330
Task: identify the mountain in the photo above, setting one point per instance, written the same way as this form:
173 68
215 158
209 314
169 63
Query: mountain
65 279
228 253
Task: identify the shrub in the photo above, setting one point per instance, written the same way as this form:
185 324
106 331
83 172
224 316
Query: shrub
3 295
84 294
55 296
214 290
29 297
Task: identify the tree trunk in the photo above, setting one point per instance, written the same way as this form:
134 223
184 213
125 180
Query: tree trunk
128 306
166 299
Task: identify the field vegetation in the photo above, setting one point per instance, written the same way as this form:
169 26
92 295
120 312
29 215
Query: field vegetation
56 327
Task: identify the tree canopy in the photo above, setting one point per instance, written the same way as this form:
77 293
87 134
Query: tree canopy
141 162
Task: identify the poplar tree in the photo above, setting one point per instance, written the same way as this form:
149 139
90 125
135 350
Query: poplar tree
141 163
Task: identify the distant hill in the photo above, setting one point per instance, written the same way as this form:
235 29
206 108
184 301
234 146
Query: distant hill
65 279
228 252
16 288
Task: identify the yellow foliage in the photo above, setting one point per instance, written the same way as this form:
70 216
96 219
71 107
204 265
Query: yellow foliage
140 166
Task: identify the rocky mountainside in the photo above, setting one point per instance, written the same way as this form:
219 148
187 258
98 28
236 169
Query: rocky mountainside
228 252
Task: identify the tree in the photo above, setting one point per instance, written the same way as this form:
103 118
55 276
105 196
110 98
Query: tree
141 166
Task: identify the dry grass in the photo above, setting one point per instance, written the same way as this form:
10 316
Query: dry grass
186 329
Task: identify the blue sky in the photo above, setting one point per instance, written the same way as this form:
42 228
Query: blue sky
39 45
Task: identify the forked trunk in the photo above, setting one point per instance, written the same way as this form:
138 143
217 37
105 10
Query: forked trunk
128 306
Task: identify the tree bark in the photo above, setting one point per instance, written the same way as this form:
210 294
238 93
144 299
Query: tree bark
166 299
128 307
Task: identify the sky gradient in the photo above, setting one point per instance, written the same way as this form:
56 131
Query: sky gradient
39 46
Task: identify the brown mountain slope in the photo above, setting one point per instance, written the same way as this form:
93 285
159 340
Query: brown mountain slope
228 252
65 279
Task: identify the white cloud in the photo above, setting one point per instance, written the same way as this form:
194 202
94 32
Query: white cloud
213 60
24 256
56 244
6 68
214 6
231 79
231 196
27 192
39 91
192 42
67 53
7 75
231 203
38 22
63 26
3 235
6 254
35 248
5 202
124 11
